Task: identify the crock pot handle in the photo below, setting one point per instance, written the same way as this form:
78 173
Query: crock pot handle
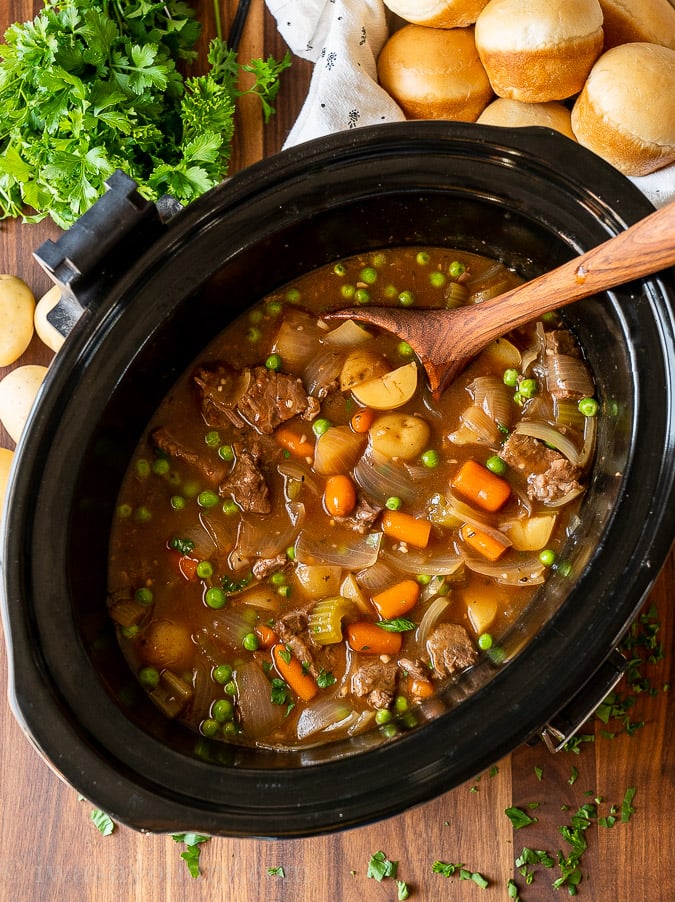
119 226
567 722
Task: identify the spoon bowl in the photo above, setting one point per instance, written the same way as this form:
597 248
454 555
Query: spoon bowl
445 341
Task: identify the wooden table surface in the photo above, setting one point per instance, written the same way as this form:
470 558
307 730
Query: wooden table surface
51 849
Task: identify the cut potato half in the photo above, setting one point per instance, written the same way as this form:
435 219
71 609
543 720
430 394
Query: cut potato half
389 391
531 534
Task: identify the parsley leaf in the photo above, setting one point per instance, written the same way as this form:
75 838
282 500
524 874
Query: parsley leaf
185 546
276 871
519 818
102 821
397 625
192 852
380 867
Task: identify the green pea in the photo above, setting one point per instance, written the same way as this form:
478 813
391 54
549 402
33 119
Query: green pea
389 730
340 269
518 399
362 296
496 465
528 388
124 511
191 489
369 275
230 688
274 308
431 458
405 350
130 631
382 716
290 553
437 279
406 298
423 258
400 704
230 507
293 295
278 578
456 269
222 710
177 502
510 378
250 642
393 503
274 362
321 425
222 674
148 677
423 579
205 569
564 568
209 727
207 498
547 557
230 728
348 291
226 452
142 467
161 466
390 292
212 439
215 597
588 407
284 591
255 316
253 334
143 514
485 641
144 595
379 259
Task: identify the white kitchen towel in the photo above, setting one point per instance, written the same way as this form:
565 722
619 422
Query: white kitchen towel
343 39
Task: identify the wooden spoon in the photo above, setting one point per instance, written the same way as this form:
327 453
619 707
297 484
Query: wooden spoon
447 340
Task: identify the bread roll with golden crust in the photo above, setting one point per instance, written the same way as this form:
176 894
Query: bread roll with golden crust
438 13
539 50
631 21
516 114
434 73
626 110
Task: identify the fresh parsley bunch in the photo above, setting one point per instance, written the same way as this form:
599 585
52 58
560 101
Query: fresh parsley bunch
90 86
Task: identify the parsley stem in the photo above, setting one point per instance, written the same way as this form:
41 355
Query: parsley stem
219 24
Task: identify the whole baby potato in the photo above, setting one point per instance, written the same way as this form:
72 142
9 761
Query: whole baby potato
17 393
47 333
399 435
17 306
5 464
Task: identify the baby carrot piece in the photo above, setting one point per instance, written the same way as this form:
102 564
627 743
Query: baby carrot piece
291 670
421 688
482 542
397 600
339 497
370 639
406 528
479 485
294 441
266 635
362 419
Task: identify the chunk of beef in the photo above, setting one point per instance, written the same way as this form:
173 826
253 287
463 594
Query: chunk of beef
450 649
221 387
293 630
417 669
264 566
246 482
167 444
560 341
376 680
548 473
362 517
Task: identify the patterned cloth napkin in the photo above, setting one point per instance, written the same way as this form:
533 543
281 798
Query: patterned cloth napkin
343 39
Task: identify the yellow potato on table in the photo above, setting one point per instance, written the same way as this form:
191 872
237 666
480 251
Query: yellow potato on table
17 306
389 391
17 394
47 333
6 458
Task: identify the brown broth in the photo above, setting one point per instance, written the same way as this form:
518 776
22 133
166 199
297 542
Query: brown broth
192 619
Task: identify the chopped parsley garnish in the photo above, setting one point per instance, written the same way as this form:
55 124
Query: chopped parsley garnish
397 625
448 869
185 546
276 872
192 851
281 694
519 818
380 867
325 679
102 821
230 586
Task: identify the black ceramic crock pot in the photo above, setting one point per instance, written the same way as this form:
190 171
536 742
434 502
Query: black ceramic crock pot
154 292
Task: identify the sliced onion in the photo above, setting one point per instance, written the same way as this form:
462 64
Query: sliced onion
354 553
259 716
588 447
380 478
296 341
428 563
360 722
337 450
569 374
551 436
376 578
565 499
231 625
467 514
261 596
204 541
494 397
523 571
322 371
431 617
476 427
257 539
348 334
324 714
295 471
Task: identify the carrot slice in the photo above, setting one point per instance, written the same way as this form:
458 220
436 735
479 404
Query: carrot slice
421 688
397 600
482 542
406 528
362 419
479 485
370 639
296 442
291 670
266 635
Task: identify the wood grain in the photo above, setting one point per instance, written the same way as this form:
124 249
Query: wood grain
50 848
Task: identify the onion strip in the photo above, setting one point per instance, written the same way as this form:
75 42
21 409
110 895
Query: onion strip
525 571
353 554
551 436
430 618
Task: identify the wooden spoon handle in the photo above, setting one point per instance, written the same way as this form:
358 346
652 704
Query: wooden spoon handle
643 249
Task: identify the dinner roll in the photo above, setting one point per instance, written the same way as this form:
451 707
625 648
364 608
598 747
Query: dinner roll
434 73
539 50
626 111
628 21
438 13
515 113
